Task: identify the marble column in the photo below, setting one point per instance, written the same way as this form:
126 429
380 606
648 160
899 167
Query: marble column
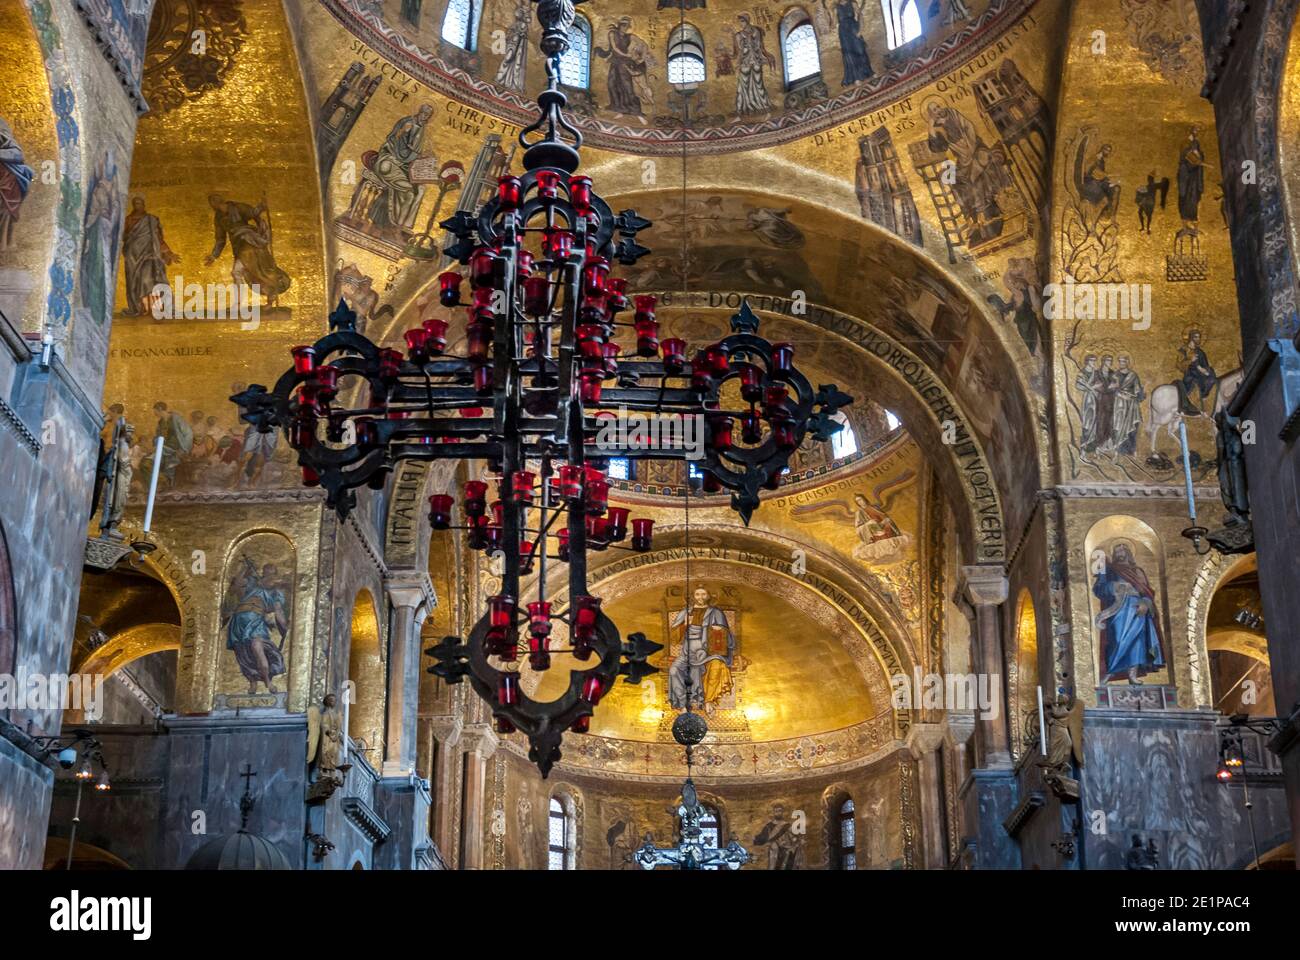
412 598
444 827
984 588
480 744
923 740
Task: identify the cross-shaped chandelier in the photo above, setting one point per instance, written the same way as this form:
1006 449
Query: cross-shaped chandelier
533 396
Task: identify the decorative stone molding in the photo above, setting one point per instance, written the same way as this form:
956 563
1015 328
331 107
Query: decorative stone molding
924 738
410 588
287 495
446 729
1027 807
1133 491
365 819
479 738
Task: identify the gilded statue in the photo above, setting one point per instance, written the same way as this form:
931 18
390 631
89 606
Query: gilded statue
325 747
1064 743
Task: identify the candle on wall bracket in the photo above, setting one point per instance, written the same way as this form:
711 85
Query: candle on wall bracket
1195 533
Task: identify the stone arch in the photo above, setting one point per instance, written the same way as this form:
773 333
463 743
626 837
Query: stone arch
366 675
1024 680
833 799
571 800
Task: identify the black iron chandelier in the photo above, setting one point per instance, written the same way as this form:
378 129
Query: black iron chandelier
533 396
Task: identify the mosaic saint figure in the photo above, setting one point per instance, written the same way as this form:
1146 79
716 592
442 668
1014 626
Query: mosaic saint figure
1086 383
99 242
1199 378
1105 382
247 228
511 72
1129 622
178 441
981 170
254 605
750 56
628 64
398 201
15 180
708 649
784 846
1127 415
145 258
1191 179
853 49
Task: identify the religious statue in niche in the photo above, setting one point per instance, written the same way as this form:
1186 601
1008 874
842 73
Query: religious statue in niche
325 748
1064 748
511 72
1186 261
15 180
1090 229
99 240
703 648
750 55
784 845
256 604
1128 623
626 81
145 258
853 49
247 228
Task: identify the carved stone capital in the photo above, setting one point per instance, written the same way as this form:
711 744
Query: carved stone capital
479 738
446 729
408 588
984 585
924 738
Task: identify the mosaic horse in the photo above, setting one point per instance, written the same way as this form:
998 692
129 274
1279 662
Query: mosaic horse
1166 406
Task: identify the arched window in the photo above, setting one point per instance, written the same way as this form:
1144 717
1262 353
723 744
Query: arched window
575 65
685 56
460 23
902 21
559 848
844 443
848 835
799 48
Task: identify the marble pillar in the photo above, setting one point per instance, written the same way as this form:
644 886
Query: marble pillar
983 589
412 599
480 743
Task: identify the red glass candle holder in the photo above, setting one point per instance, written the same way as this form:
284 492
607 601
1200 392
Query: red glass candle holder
590 333
557 243
482 267
493 534
510 193
645 306
611 351
477 532
581 725
525 556
539 618
390 363
508 689
304 359
720 430
310 478
597 497
475 498
751 428
548 185
525 264
365 431
595 309
521 486
302 431
571 482
562 544
595 273
647 337
783 434
440 511
478 340
327 379
674 355
449 288
580 195
498 513
616 292
598 532
642 534
537 295
417 340
618 523
775 395
782 356
586 611
483 380
717 360
751 383
436 328
592 689
591 388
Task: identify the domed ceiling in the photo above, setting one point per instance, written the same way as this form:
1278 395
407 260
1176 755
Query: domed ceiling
741 99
